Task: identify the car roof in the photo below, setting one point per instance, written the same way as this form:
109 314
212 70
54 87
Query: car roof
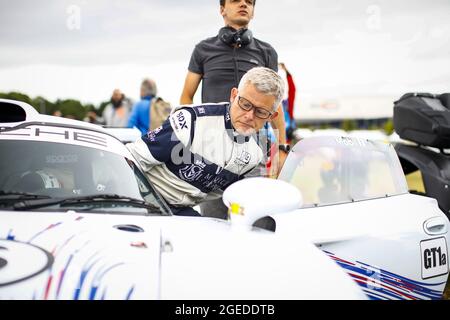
23 112
16 115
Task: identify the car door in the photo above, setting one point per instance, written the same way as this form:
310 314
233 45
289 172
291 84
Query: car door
357 209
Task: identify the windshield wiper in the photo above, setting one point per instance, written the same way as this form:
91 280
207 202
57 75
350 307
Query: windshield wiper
17 195
26 205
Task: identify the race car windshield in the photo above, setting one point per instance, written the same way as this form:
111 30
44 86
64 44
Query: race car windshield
330 170
54 170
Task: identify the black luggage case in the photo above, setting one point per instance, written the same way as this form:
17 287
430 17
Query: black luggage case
424 118
434 168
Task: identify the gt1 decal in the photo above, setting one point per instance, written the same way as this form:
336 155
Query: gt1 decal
21 261
434 258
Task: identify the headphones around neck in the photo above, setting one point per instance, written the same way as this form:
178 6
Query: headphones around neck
230 36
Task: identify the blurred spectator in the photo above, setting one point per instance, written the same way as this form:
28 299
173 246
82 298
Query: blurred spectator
288 105
57 113
140 117
117 112
91 117
289 120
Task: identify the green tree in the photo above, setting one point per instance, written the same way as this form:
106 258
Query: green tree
102 107
68 107
71 108
349 124
324 126
389 127
43 105
16 96
90 107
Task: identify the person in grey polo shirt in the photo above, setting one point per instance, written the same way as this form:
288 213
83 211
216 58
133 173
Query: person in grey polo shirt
220 62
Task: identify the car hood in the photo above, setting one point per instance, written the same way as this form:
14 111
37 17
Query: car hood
46 255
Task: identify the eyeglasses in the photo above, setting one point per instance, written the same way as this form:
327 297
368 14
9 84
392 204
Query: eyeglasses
246 105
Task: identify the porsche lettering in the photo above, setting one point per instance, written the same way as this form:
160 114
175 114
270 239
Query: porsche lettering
60 134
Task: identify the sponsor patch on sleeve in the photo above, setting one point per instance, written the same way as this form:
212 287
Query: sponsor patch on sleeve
151 135
181 120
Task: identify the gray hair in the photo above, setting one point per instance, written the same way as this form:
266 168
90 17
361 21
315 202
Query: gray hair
148 88
222 2
265 81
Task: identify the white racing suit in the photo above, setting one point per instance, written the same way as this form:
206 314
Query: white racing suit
195 154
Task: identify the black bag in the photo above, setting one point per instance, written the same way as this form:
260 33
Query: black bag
423 118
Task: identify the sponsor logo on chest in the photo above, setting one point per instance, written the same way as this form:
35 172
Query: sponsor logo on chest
243 159
192 172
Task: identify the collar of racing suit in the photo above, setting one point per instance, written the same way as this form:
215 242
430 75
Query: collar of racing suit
232 133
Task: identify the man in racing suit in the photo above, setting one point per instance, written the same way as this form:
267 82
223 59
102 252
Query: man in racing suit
201 150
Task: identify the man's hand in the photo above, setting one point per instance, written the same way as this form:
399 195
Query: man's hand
279 126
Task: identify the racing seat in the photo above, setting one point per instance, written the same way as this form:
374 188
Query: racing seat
34 181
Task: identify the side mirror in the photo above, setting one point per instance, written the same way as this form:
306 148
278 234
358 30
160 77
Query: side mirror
253 198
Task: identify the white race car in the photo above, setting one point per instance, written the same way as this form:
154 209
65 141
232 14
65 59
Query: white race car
78 220
357 209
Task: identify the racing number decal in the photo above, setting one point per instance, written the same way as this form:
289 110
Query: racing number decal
434 257
21 261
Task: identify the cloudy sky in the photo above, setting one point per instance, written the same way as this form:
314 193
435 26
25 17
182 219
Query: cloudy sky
83 49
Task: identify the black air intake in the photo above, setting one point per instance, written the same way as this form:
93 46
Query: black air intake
10 112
